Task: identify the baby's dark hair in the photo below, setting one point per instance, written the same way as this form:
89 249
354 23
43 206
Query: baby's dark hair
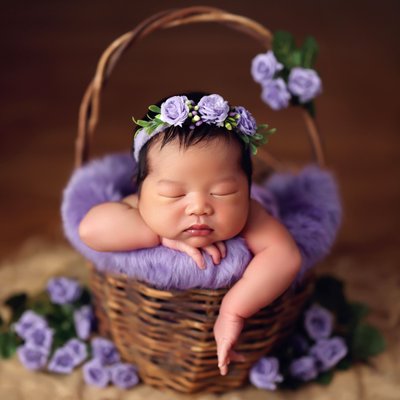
188 137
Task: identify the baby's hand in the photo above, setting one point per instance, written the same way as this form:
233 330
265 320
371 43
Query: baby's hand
227 329
216 250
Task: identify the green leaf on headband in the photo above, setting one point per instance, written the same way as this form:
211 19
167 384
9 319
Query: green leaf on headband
253 149
309 52
155 109
283 45
142 123
245 138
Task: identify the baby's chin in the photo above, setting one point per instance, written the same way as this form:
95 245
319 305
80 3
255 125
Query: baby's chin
200 241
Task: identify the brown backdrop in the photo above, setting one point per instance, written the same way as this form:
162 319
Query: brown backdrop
50 49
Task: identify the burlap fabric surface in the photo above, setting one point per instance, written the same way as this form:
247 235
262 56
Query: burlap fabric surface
372 279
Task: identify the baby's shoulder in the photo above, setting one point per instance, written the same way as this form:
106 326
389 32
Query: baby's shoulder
257 223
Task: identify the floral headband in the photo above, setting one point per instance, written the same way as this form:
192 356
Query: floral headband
211 109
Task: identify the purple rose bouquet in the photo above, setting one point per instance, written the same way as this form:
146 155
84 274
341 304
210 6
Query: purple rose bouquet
285 73
316 349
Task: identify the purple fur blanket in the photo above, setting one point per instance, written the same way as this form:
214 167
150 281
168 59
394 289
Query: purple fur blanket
307 204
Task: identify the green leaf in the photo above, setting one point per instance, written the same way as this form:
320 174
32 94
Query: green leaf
18 304
142 123
155 109
367 342
295 58
282 45
309 52
8 344
325 378
245 138
253 149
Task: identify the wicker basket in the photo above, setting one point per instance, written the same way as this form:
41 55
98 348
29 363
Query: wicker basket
169 334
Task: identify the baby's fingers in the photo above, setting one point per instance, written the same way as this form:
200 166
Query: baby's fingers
214 252
222 248
195 254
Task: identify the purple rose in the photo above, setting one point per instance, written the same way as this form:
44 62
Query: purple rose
83 321
77 349
124 375
265 374
304 83
174 111
95 373
33 358
62 361
40 336
27 322
318 322
264 67
275 94
63 290
246 123
105 350
328 352
303 368
213 109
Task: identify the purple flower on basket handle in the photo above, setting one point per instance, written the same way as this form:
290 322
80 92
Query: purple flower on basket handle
63 290
31 357
28 321
246 123
328 352
95 373
105 351
303 368
304 83
265 374
174 111
62 361
213 109
264 66
77 349
124 375
83 321
318 322
40 336
275 94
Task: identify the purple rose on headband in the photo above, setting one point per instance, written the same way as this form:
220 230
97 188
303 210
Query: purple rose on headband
246 123
40 336
174 111
213 109
318 322
303 368
305 83
105 351
95 373
83 321
27 322
264 67
77 349
328 352
124 375
31 357
275 94
63 361
265 374
63 290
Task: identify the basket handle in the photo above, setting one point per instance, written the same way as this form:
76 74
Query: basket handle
89 111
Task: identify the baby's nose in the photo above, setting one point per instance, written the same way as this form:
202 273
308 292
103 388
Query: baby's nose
199 206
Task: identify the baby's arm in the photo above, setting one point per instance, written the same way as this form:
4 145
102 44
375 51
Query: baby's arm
275 264
116 226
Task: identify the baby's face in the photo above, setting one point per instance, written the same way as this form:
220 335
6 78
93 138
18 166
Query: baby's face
197 195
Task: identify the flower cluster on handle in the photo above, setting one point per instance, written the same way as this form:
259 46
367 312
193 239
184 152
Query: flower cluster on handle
285 73
211 109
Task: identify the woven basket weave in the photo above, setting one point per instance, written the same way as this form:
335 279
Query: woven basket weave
169 334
